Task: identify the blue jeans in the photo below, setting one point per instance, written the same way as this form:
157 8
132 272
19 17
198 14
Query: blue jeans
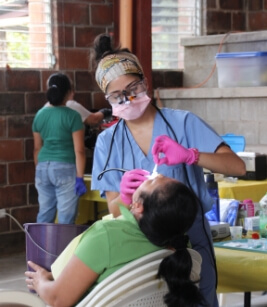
55 183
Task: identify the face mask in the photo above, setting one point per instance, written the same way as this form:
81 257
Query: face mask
133 110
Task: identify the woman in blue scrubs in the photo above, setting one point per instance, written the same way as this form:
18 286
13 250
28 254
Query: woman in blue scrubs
128 145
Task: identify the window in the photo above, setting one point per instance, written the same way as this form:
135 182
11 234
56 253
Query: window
25 34
172 20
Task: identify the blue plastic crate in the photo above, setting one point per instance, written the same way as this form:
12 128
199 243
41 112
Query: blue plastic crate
236 142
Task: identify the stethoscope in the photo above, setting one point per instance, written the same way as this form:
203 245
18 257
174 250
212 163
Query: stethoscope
184 169
112 141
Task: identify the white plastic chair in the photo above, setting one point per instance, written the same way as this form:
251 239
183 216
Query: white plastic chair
134 275
149 294
123 285
20 298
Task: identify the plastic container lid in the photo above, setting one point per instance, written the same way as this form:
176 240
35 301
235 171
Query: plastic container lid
241 54
236 142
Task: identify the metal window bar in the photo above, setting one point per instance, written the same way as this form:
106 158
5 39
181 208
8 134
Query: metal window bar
172 20
25 34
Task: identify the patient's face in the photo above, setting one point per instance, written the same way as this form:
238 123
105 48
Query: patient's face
150 185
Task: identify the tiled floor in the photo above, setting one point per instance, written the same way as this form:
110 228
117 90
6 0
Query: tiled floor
12 270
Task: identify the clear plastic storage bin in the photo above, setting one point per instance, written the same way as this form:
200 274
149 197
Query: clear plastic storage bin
242 69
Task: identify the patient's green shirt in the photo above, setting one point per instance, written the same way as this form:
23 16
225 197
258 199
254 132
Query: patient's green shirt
113 243
107 245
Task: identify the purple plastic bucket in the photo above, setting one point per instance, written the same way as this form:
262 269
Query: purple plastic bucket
45 241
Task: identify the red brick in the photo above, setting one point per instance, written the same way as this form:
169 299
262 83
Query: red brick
24 215
73 59
231 5
257 21
102 14
3 173
95 1
173 78
20 126
211 4
99 101
21 172
11 150
29 149
218 21
2 80
13 196
23 80
11 104
85 81
33 195
5 225
44 76
86 35
65 36
3 128
13 242
239 22
72 13
255 5
34 102
84 99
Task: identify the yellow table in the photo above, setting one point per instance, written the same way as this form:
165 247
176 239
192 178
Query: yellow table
91 205
241 271
243 189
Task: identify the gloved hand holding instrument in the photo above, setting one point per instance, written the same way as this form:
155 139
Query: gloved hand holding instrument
167 151
130 181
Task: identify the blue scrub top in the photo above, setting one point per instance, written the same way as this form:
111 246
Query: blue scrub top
190 131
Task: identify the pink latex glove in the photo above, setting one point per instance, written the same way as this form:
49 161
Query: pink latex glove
130 181
167 151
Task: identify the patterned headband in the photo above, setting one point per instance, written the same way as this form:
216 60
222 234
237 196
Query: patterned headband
115 65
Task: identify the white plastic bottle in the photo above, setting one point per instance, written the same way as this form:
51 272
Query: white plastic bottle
263 201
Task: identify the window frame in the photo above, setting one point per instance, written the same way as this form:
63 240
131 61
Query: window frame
26 41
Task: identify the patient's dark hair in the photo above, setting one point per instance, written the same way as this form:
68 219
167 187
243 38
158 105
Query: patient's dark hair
169 212
58 87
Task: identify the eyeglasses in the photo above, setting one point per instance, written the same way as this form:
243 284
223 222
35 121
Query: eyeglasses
133 90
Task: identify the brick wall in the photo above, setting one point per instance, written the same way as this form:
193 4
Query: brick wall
22 93
238 15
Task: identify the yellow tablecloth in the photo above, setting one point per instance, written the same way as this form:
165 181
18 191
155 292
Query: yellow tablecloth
241 271
243 189
91 195
91 205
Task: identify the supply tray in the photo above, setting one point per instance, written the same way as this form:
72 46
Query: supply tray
257 245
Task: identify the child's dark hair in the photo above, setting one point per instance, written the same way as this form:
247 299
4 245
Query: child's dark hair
103 46
58 87
168 213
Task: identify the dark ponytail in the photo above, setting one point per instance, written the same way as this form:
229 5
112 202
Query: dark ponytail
103 46
168 214
58 87
176 270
